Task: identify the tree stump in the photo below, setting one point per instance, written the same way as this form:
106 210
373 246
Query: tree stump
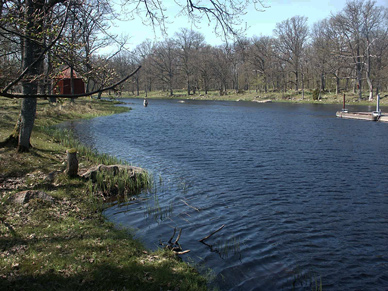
72 163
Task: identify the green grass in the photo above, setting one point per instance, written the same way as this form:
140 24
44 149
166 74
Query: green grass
68 244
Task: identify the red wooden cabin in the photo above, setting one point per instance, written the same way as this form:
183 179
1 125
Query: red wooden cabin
62 83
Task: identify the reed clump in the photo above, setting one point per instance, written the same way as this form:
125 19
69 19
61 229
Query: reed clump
124 183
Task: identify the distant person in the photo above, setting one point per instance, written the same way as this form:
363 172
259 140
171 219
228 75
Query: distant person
145 102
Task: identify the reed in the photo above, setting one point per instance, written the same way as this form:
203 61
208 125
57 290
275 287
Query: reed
123 184
156 211
306 279
67 139
228 247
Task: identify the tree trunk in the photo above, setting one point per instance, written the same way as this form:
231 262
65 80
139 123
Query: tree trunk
359 77
205 84
236 83
27 120
170 76
137 85
49 81
171 91
188 86
72 83
370 88
337 82
30 86
72 163
368 69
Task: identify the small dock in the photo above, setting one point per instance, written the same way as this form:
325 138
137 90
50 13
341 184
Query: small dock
383 118
372 116
359 115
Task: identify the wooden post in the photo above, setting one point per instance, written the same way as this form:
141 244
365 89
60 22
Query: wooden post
72 163
344 103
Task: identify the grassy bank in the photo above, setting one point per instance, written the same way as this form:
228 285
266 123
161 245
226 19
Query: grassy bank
67 244
251 95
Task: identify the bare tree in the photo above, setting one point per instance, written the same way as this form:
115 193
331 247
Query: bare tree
144 55
381 54
189 43
204 65
220 63
372 18
357 22
320 51
165 62
292 36
92 21
261 58
239 61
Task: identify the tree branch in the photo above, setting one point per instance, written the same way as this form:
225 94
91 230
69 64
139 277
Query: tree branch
206 237
7 95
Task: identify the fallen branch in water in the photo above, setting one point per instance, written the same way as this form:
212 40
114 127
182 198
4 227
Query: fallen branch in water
206 237
175 246
182 253
170 240
189 205
178 237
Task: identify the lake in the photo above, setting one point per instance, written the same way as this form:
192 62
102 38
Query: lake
303 195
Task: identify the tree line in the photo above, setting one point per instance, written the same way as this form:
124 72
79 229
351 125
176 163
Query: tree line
346 51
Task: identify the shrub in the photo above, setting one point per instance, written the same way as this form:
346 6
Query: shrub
316 94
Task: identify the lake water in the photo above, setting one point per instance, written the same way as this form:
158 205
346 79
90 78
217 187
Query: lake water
302 194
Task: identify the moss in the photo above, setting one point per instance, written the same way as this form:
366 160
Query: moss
71 151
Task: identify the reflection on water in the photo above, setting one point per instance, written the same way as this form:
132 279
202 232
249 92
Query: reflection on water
302 194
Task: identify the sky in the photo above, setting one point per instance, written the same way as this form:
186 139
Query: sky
257 22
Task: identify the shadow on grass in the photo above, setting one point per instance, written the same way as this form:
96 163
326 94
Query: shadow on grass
101 277
81 272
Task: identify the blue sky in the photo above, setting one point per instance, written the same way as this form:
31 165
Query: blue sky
257 22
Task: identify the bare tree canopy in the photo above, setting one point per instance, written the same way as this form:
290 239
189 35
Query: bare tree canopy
225 15
292 35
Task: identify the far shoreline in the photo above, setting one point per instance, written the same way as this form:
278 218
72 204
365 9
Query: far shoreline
291 96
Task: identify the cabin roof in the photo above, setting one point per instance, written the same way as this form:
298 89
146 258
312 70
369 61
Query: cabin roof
66 74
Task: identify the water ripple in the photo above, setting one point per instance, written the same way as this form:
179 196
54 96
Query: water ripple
302 194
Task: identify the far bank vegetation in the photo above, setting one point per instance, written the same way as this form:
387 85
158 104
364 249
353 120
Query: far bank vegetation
344 53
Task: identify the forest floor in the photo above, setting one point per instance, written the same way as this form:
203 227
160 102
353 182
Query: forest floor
65 243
